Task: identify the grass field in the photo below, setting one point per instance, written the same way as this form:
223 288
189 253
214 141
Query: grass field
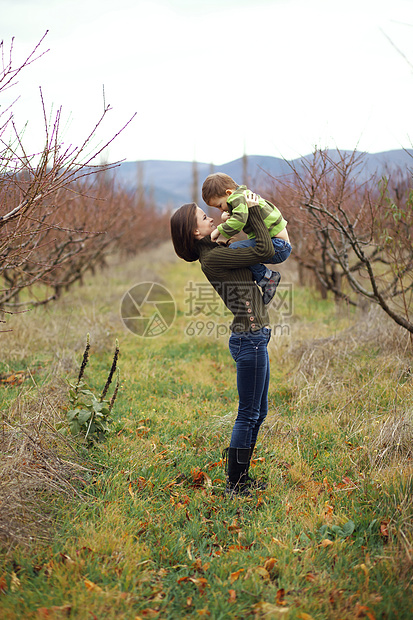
140 528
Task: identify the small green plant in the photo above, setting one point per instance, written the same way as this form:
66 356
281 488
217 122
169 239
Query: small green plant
330 532
335 531
89 415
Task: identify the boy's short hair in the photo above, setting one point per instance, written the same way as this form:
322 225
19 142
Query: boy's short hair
215 186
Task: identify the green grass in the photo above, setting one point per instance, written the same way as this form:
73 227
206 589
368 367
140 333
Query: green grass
155 538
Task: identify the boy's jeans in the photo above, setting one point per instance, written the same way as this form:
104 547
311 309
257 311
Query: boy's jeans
282 250
249 350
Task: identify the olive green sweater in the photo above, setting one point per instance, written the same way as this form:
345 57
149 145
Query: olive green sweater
227 271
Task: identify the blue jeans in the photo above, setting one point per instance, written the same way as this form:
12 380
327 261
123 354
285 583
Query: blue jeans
250 353
282 250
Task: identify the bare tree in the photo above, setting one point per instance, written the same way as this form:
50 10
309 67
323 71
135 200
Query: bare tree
195 181
355 231
245 176
43 226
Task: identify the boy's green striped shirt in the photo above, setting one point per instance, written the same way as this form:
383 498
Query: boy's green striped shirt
238 209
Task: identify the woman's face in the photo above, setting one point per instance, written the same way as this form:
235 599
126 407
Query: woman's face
204 224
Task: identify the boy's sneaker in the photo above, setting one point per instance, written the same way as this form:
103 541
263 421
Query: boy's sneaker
268 290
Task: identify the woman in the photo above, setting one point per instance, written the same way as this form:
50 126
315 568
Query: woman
227 271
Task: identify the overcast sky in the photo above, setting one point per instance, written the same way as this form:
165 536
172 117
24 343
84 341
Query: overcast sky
208 78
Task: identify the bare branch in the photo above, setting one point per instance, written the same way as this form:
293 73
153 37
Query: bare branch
398 50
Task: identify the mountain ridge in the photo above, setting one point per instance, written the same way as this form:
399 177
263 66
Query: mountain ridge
170 182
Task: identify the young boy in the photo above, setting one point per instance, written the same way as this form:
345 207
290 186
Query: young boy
220 190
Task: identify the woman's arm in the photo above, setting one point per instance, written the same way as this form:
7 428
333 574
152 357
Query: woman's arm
244 257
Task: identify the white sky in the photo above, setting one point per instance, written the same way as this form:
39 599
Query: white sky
208 77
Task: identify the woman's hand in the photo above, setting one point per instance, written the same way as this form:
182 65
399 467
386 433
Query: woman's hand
251 198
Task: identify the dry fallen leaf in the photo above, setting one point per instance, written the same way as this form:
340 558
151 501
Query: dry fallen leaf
241 547
13 379
326 542
375 597
92 587
142 430
362 611
269 564
259 459
327 512
234 576
3 584
149 613
262 572
234 527
54 612
232 596
49 568
303 616
384 529
279 543
200 478
182 579
15 582
200 582
268 609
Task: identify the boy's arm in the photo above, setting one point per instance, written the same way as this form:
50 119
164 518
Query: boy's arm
222 257
238 218
215 233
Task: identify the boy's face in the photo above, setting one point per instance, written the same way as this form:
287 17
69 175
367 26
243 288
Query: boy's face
220 202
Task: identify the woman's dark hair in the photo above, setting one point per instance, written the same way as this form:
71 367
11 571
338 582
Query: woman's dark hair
183 225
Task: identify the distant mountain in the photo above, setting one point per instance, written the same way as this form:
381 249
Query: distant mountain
170 182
